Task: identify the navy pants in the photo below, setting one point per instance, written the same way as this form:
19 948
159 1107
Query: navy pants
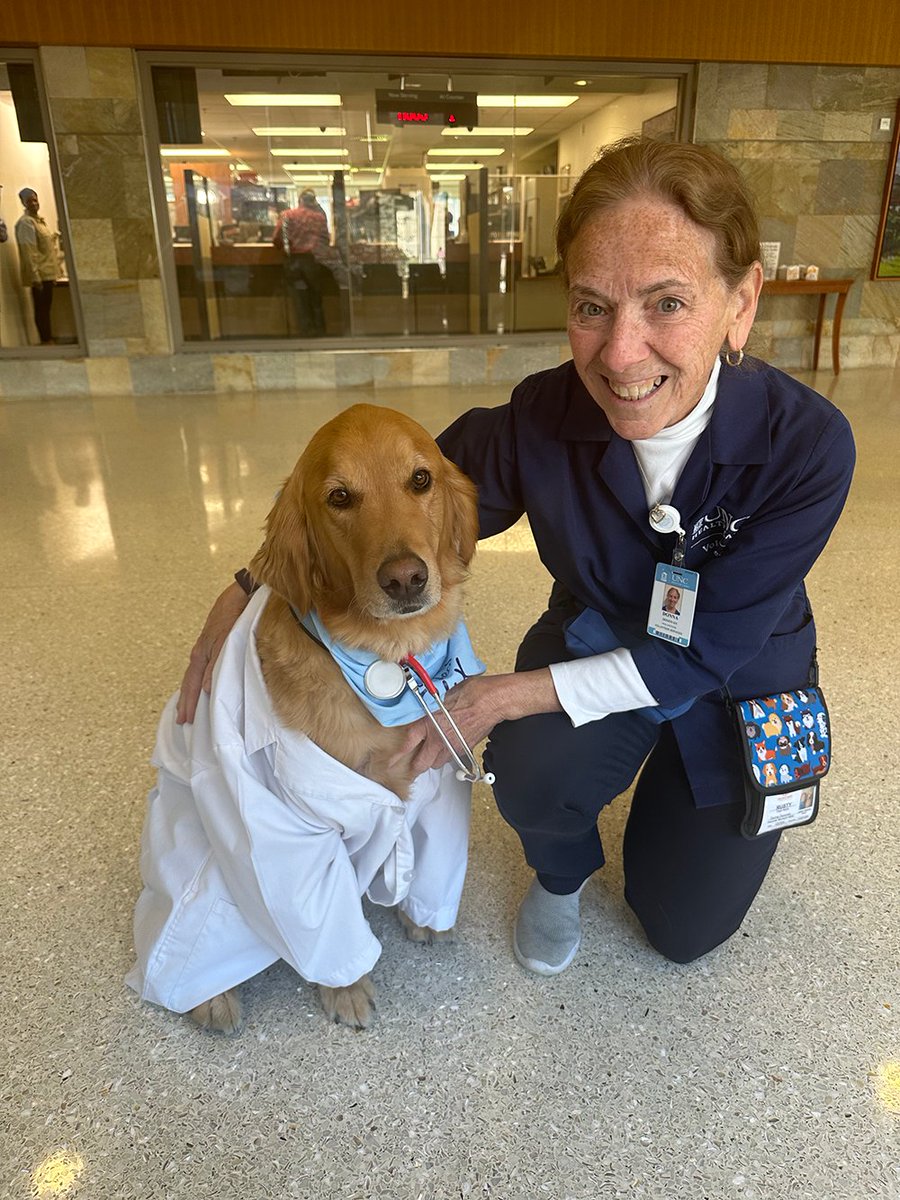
42 301
690 876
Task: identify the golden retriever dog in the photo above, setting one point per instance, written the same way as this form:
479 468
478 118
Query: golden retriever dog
374 530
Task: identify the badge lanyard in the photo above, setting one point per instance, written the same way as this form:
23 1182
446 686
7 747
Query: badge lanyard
674 593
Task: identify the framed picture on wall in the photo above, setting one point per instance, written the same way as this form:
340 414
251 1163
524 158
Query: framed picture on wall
886 263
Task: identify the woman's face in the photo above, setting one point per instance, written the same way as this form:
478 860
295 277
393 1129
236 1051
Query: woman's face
672 598
649 312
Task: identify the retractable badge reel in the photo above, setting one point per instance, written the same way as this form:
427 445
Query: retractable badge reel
674 595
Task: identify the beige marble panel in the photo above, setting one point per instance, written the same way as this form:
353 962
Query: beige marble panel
741 85
108 376
430 367
94 248
858 239
799 125
880 299
392 368
156 322
111 72
136 254
847 127
233 372
819 241
790 86
65 71
758 123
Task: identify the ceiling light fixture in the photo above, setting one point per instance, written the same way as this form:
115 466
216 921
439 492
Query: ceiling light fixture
457 166
318 152
485 151
489 131
526 101
193 152
299 131
283 99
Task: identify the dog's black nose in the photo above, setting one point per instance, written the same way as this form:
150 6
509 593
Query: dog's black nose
403 578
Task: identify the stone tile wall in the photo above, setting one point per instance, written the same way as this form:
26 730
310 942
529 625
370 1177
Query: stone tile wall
807 139
96 117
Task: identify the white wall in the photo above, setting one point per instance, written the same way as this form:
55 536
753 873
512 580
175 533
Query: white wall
22 164
579 144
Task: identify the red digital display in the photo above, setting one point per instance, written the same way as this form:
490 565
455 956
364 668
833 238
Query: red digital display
427 108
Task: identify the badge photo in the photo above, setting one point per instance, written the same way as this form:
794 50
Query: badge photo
672 604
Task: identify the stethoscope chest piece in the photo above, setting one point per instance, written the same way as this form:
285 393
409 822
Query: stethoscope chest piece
384 680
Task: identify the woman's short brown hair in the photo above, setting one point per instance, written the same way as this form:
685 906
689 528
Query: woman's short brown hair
705 186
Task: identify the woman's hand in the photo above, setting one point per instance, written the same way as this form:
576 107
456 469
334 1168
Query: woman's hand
221 620
477 705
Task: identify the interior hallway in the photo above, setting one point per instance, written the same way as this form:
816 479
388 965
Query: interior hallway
767 1071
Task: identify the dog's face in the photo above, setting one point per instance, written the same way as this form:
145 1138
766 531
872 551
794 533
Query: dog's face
373 527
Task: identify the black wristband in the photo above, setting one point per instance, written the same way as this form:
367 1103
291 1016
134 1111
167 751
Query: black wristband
246 581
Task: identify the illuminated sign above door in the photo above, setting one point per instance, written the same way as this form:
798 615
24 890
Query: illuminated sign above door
426 108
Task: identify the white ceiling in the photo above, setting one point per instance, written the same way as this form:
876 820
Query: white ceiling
230 127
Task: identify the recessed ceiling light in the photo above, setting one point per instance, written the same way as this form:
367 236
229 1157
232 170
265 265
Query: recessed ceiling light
463 166
194 152
318 152
283 99
526 101
489 131
487 151
582 82
319 166
299 131
446 178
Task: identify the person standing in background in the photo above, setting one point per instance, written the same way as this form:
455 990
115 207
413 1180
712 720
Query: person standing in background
39 261
302 233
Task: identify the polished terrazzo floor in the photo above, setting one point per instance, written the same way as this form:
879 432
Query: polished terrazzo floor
769 1070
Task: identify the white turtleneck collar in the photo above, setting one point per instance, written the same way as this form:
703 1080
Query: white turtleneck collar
661 458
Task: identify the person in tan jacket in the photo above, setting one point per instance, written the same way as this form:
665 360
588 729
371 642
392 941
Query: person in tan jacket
39 261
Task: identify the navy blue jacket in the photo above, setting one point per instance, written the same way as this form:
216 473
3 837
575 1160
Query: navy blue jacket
758 498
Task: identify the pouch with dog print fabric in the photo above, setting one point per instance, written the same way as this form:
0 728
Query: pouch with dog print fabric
786 746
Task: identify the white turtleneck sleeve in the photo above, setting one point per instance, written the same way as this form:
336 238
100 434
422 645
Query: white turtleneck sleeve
591 688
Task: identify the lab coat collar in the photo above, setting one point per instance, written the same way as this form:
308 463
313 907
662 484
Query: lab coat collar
245 714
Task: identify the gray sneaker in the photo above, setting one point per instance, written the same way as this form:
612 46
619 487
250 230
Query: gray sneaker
547 932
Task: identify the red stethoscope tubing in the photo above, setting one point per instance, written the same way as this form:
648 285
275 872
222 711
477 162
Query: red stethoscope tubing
468 770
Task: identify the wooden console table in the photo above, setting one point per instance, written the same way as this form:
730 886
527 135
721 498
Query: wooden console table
821 288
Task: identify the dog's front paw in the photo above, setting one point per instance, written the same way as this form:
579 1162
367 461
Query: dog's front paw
353 1005
423 934
221 1014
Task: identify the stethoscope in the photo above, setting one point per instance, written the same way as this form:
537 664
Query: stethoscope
387 680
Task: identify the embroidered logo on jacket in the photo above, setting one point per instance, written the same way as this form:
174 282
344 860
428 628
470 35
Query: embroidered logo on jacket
712 533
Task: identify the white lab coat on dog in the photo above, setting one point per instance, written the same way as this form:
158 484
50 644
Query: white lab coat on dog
258 845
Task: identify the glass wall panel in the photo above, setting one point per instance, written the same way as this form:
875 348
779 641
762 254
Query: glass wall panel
35 287
353 202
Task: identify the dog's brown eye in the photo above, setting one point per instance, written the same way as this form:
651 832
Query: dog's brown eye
421 480
339 497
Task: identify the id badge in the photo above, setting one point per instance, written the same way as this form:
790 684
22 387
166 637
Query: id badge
672 604
781 812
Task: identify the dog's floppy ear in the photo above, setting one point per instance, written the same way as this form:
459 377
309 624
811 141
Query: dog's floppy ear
460 512
285 559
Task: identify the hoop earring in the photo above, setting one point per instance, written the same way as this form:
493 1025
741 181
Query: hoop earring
734 358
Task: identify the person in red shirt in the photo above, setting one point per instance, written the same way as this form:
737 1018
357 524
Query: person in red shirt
302 233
